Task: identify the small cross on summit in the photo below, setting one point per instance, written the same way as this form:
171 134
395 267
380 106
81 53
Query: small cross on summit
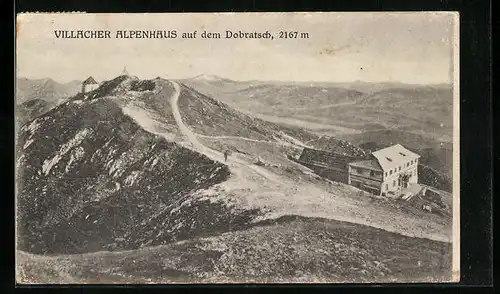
124 72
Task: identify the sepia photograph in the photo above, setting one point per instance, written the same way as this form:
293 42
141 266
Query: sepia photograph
188 148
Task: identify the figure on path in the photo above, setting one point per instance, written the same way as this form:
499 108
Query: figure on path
226 154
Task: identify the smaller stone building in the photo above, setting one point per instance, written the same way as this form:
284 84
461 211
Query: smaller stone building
89 84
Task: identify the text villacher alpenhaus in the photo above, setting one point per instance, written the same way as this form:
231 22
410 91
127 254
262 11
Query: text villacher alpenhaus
160 34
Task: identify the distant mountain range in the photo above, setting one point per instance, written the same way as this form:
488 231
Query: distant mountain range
371 87
358 85
45 89
357 106
37 96
207 77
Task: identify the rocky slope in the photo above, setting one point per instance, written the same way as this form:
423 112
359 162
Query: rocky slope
90 178
31 109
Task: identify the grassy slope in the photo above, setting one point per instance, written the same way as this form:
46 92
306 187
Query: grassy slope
208 116
292 249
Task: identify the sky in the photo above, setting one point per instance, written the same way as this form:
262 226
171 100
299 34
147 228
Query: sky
414 48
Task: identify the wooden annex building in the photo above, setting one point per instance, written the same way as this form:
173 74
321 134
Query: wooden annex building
330 165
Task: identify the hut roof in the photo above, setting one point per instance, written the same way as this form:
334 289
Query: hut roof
89 80
369 164
394 156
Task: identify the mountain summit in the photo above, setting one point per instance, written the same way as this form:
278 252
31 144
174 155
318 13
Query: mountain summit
207 77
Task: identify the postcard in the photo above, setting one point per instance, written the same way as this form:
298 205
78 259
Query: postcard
184 148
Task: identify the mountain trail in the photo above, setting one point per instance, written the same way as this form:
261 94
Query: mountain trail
233 137
235 161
